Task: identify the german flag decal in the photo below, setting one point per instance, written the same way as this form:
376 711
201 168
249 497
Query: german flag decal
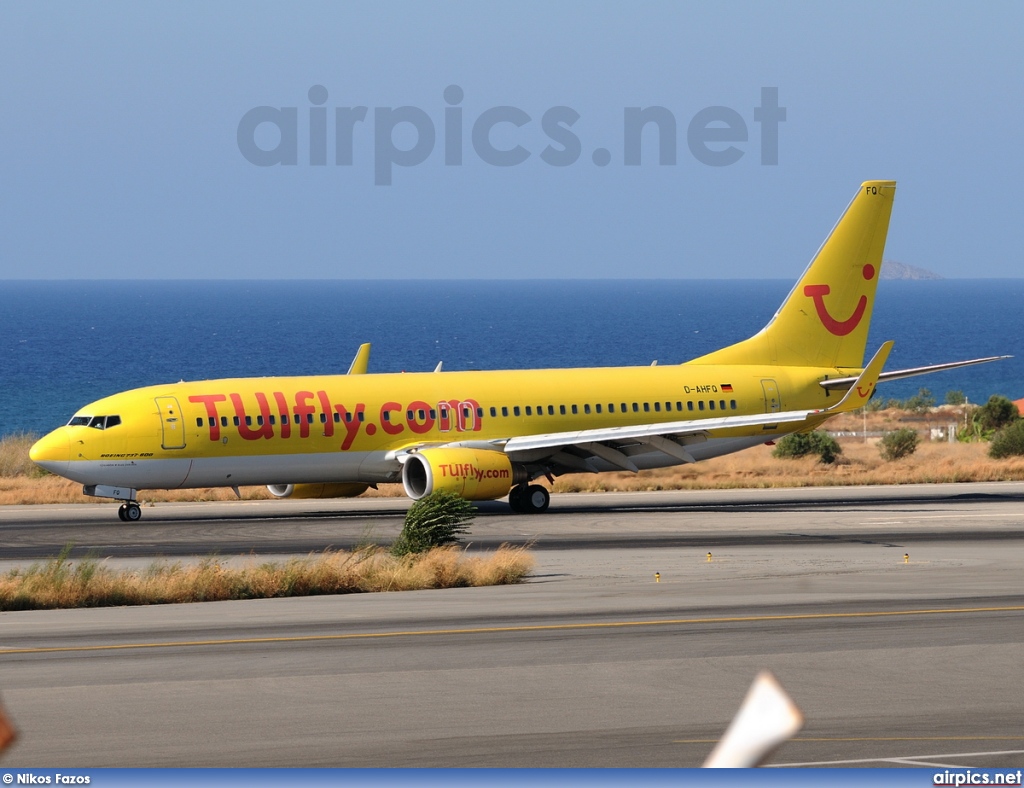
727 387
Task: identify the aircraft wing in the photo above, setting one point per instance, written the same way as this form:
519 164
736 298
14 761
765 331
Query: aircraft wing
613 444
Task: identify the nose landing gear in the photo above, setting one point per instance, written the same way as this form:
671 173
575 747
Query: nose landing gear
129 511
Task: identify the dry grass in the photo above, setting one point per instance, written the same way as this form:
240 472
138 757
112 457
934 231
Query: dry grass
62 583
14 459
859 464
20 482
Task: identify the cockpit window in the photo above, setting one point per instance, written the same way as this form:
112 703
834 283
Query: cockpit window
96 422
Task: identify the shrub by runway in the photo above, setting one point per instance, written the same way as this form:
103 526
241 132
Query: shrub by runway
63 583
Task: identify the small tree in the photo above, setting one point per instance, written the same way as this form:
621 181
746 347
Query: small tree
801 444
434 520
1008 442
996 414
920 402
898 444
955 397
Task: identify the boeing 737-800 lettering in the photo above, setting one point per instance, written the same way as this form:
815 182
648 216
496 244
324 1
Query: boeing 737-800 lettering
485 435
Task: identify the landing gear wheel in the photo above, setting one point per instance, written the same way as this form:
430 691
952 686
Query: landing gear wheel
120 512
537 499
516 500
529 500
132 512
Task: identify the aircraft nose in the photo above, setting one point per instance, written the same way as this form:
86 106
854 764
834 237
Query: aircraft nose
52 452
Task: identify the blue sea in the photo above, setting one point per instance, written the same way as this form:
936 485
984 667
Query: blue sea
64 344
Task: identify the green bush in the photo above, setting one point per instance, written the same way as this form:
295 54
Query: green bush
801 444
920 402
1008 442
955 397
434 520
995 414
898 443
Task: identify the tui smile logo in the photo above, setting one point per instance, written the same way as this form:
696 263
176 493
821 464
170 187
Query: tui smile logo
839 328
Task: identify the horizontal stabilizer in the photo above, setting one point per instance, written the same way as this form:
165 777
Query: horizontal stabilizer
864 384
842 384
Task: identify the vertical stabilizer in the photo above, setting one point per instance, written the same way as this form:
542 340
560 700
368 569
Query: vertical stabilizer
824 321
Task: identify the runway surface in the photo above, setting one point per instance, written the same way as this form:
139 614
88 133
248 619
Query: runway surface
894 661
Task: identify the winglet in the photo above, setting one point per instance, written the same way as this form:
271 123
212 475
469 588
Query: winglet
361 360
862 389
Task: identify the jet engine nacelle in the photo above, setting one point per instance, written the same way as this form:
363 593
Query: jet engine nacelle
473 474
346 490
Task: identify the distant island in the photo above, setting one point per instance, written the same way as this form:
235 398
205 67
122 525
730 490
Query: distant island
893 270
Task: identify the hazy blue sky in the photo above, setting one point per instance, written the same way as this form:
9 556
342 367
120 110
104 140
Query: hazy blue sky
120 156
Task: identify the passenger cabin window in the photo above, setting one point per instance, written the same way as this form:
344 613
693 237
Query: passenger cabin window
504 410
494 412
657 407
561 409
551 410
515 410
529 410
700 405
711 404
575 410
586 408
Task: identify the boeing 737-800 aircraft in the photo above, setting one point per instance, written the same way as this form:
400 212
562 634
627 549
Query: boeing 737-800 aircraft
485 435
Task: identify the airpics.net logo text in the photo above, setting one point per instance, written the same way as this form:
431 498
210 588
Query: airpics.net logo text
716 136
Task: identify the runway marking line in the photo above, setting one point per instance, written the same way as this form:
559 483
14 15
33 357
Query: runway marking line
871 738
916 760
524 628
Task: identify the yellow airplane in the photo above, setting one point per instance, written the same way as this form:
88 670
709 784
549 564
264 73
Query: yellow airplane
485 435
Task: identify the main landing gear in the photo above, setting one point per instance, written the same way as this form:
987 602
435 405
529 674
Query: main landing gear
532 499
130 512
